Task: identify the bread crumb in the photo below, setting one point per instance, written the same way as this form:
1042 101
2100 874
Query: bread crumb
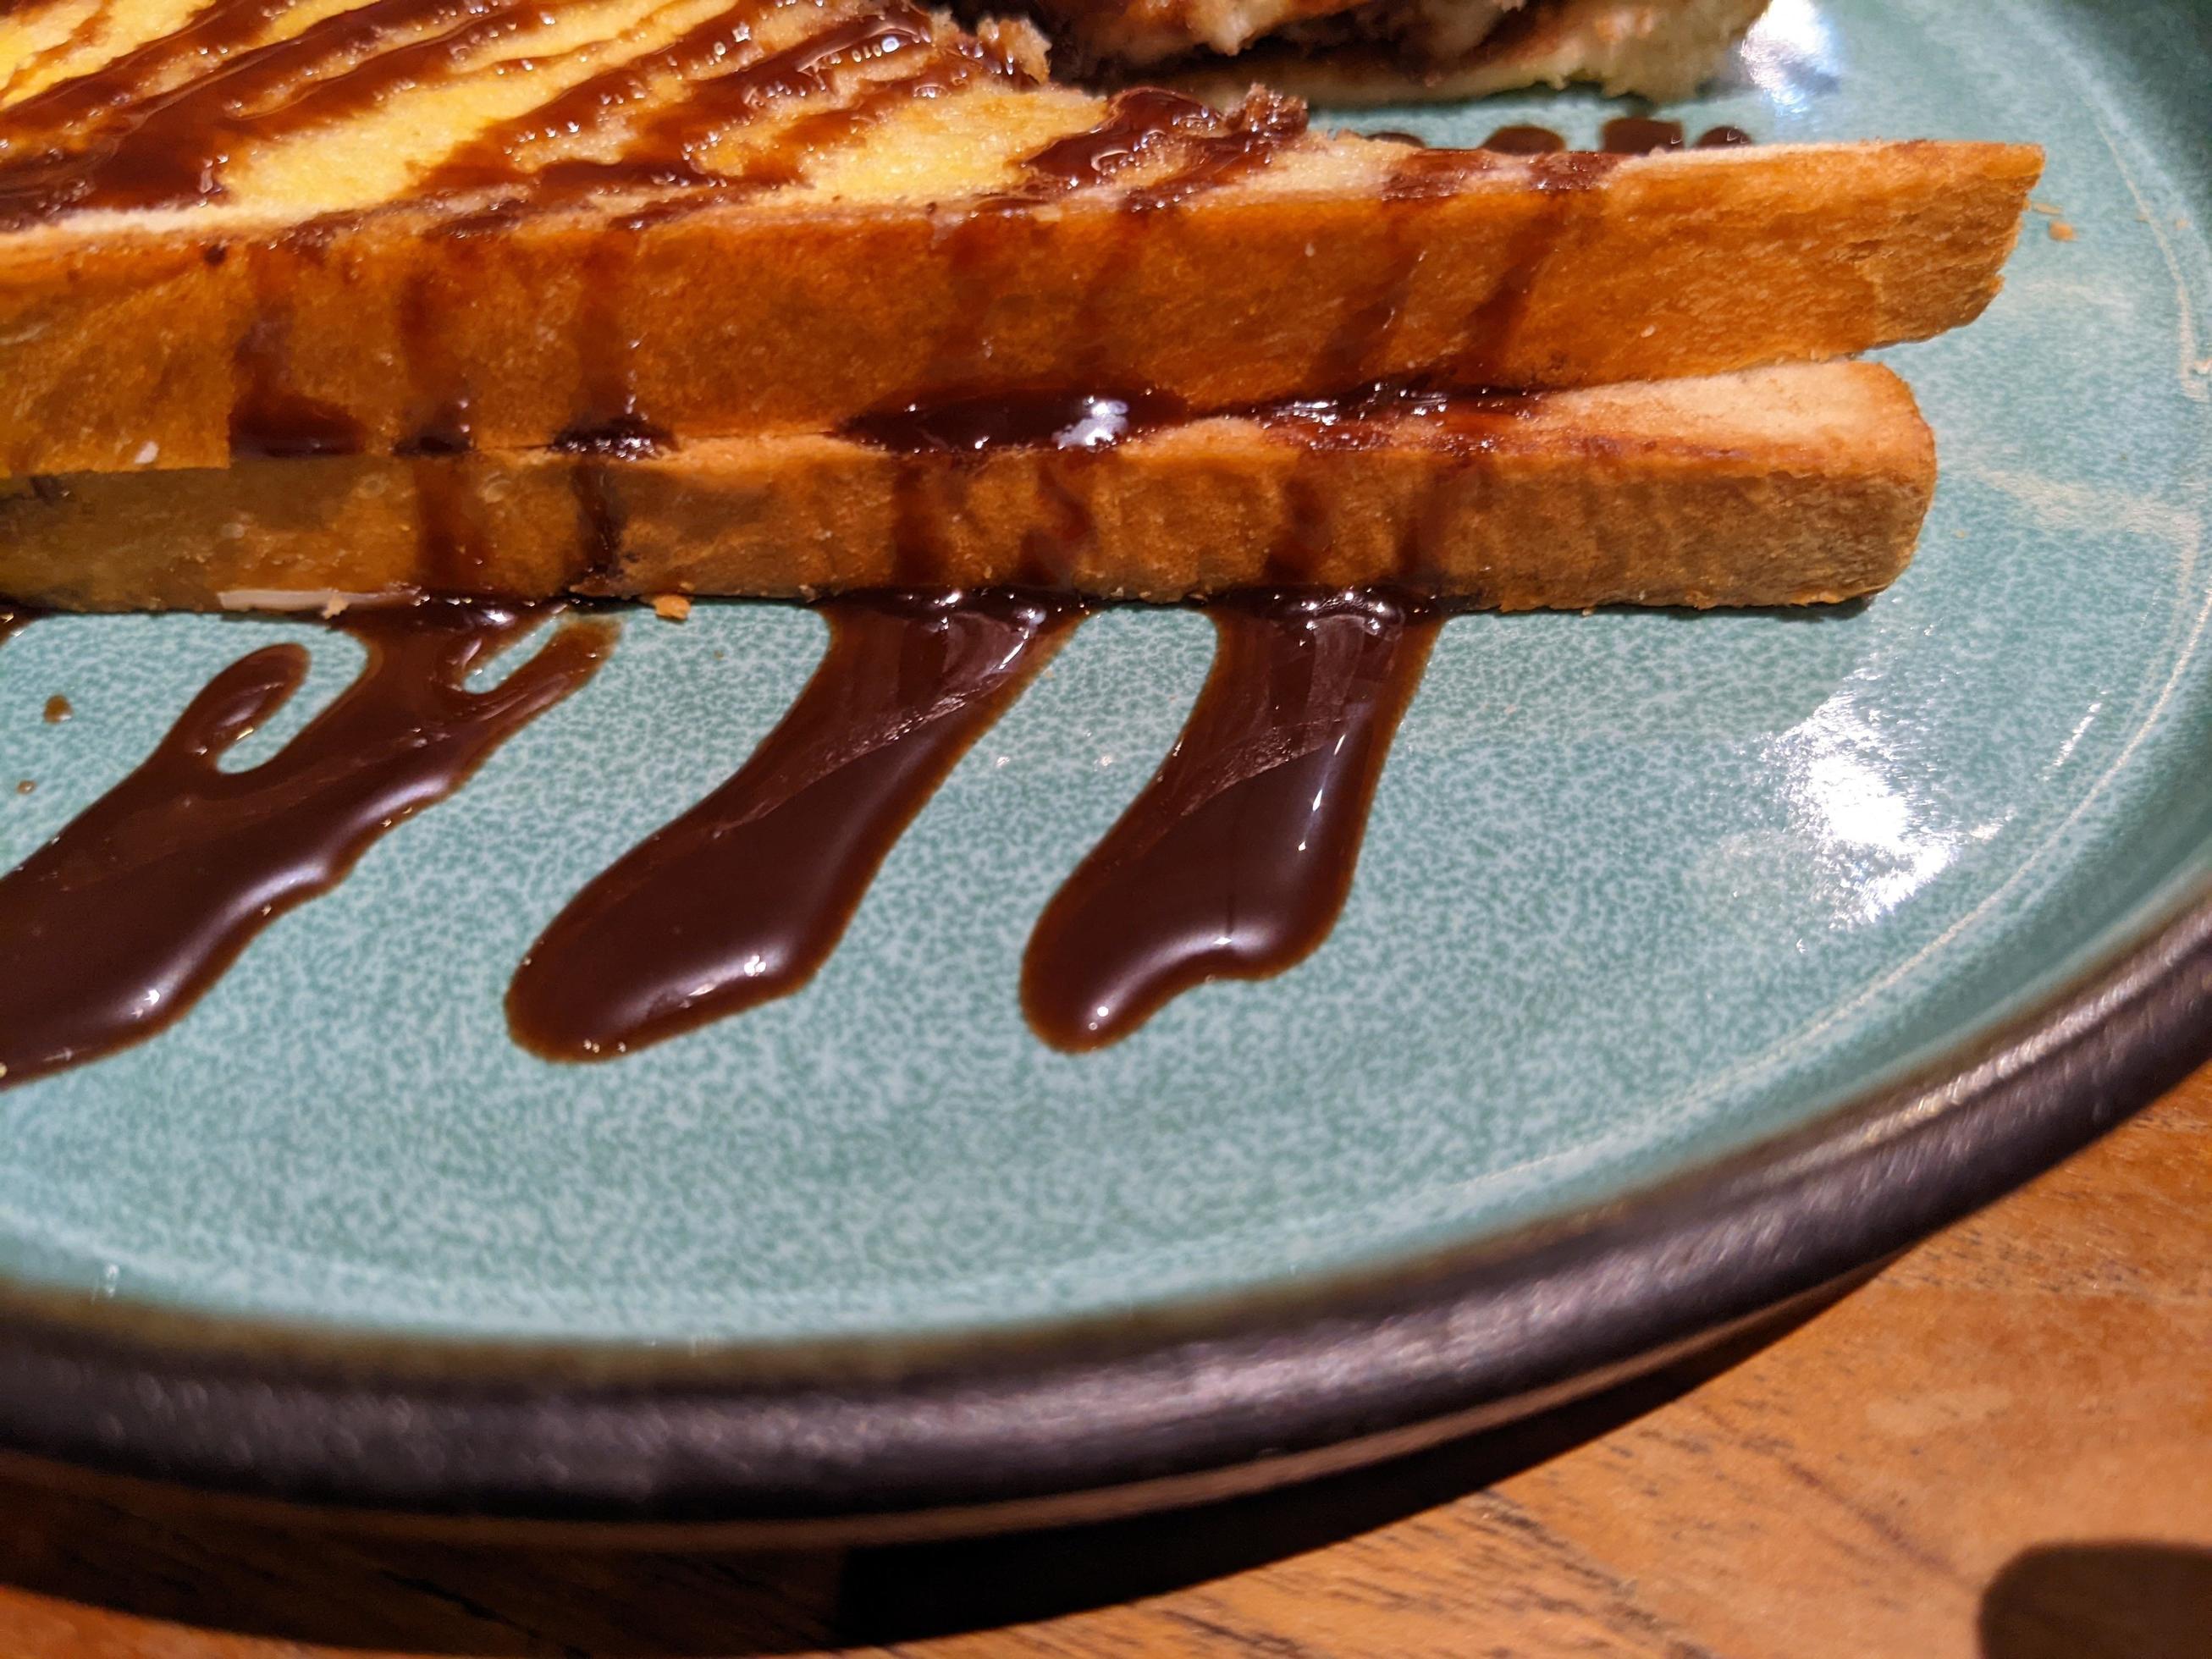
2047 208
2061 231
670 607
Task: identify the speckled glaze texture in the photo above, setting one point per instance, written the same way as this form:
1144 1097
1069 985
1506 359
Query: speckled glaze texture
1639 890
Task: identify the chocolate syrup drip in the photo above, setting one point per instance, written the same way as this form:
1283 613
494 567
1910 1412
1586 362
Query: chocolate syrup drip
1355 346
431 307
1077 427
601 518
609 415
1639 135
1211 149
1564 183
1488 334
1725 138
740 900
625 435
1049 418
980 250
1460 424
453 546
915 555
1053 554
57 709
1524 140
1237 856
1300 545
1091 421
1429 174
940 71
1136 123
113 929
628 436
1246 142
1359 418
267 418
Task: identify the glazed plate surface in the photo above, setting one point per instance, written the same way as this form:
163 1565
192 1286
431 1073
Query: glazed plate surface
1639 892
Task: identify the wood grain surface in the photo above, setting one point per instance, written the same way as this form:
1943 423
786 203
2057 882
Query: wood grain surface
2000 1448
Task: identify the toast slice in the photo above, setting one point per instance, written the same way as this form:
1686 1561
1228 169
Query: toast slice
1785 486
1391 52
287 227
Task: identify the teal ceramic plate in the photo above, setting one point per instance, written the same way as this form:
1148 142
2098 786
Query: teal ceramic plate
1691 961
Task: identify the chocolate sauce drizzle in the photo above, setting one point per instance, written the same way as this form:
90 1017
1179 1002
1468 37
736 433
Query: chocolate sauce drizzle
742 899
1210 148
1237 856
268 417
1233 862
1044 418
1524 140
1625 135
1640 135
115 927
154 145
161 125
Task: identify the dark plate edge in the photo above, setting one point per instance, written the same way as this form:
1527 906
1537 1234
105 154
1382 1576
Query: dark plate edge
990 1430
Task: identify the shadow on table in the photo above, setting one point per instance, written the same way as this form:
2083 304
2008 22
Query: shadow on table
172 1562
2106 1601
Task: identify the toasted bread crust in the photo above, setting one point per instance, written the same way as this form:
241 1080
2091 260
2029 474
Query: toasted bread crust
123 351
1781 487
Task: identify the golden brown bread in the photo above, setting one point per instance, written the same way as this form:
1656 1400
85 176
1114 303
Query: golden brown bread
1777 487
325 225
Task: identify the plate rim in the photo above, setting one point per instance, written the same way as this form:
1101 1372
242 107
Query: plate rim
864 1436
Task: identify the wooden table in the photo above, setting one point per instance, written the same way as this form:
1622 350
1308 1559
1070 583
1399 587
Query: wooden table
2002 1447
